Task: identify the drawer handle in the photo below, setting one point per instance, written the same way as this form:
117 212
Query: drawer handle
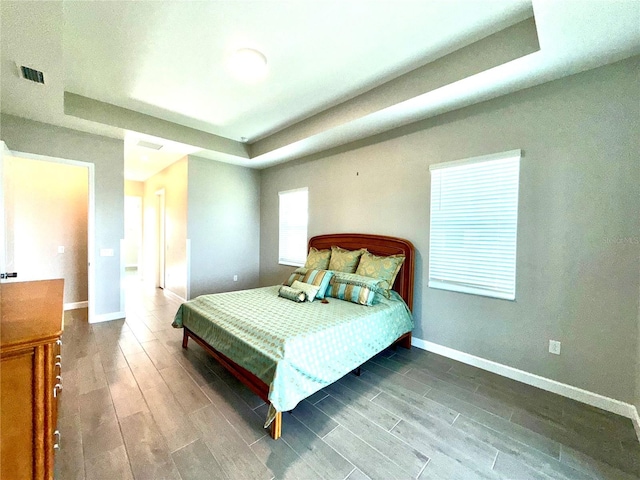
57 387
59 341
59 365
58 358
56 445
59 378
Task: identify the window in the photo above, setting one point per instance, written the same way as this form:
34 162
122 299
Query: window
293 227
474 219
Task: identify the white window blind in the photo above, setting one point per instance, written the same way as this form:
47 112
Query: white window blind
293 227
474 220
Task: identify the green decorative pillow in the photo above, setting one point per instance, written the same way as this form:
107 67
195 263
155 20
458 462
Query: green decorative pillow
319 278
382 268
318 259
345 260
298 275
354 288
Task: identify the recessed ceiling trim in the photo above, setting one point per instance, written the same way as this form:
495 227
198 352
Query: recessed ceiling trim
499 48
105 113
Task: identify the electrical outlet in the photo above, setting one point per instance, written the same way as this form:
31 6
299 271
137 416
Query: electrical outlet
554 347
235 278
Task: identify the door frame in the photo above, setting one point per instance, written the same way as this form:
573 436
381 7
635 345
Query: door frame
91 234
161 238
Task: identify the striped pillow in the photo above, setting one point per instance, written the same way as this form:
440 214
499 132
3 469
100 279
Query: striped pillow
319 278
354 288
298 275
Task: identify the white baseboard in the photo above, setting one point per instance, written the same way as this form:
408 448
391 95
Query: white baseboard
569 391
175 296
75 305
107 317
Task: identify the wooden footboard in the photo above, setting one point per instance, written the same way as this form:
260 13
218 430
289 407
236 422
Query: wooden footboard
256 385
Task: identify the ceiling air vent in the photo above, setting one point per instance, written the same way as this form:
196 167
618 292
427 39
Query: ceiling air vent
152 146
32 74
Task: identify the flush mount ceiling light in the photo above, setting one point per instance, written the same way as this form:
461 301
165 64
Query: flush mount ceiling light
248 65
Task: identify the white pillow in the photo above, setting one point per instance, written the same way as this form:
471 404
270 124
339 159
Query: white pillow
310 290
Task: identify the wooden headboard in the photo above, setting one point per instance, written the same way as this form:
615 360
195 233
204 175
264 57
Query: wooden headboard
378 245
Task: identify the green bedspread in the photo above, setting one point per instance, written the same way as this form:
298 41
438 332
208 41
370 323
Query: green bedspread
295 348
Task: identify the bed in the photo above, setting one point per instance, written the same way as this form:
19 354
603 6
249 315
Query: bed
285 351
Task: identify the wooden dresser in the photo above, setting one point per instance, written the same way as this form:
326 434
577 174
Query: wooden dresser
30 377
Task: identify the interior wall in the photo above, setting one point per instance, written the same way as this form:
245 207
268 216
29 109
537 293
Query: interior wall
577 276
46 207
224 226
637 402
173 180
133 188
107 154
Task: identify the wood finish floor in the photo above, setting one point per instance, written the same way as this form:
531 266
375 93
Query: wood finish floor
136 405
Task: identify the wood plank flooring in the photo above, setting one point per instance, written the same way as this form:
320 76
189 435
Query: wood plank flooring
136 405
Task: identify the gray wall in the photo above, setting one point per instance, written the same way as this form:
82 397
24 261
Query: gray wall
637 403
223 225
107 154
577 279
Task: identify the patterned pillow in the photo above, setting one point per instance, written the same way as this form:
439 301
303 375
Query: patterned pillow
383 268
318 259
310 290
319 278
345 260
298 274
354 288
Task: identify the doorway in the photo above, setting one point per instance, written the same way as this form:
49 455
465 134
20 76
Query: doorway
47 215
132 233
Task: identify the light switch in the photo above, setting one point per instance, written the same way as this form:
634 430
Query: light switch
60 249
106 252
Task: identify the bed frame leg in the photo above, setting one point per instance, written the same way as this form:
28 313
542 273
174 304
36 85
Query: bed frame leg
276 426
404 341
185 338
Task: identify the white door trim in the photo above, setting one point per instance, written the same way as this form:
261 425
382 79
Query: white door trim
161 238
4 151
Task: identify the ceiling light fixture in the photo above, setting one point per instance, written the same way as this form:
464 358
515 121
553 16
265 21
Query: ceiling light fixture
248 65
